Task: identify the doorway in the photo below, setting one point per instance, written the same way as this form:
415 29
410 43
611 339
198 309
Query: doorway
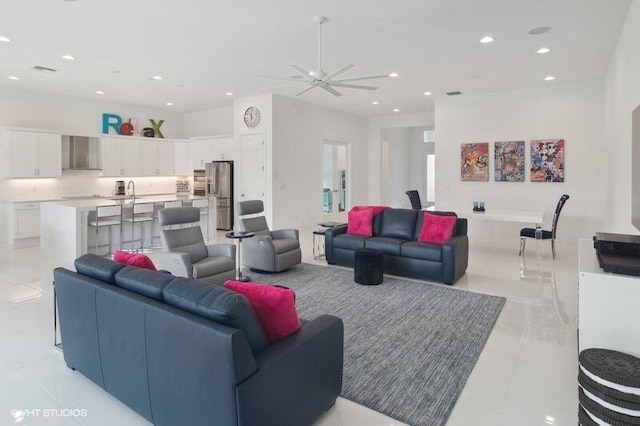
335 180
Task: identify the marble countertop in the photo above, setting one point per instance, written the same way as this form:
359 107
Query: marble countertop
92 203
44 199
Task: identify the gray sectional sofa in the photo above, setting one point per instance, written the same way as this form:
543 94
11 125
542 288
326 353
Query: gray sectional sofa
395 234
183 352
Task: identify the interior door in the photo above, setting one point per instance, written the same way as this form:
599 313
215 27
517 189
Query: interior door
253 176
335 181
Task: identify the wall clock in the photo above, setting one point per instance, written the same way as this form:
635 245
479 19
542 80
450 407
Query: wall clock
252 117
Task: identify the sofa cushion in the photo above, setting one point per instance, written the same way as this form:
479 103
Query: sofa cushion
398 223
213 266
275 307
134 259
360 222
437 228
283 245
425 251
143 281
218 304
350 242
385 245
98 267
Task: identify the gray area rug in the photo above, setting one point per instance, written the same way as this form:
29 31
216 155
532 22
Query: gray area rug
409 346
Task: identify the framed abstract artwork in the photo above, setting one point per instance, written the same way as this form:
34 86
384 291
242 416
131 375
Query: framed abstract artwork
474 162
547 160
509 161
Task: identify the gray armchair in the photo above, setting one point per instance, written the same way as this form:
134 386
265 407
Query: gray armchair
184 252
271 251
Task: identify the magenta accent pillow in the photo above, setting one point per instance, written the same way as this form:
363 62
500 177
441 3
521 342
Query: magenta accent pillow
436 228
274 306
360 222
134 259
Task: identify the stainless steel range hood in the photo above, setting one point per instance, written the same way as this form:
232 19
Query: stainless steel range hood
80 153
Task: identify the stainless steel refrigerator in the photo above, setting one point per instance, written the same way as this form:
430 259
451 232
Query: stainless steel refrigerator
220 185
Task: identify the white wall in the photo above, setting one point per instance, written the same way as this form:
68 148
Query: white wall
299 130
622 96
572 112
211 122
376 125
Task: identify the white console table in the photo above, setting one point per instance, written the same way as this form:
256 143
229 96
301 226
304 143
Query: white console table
608 306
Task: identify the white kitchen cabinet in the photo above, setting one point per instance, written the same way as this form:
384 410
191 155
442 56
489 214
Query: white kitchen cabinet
32 154
156 157
23 220
164 158
120 157
200 153
229 149
181 164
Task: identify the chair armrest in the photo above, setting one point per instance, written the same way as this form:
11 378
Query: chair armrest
455 258
224 250
329 235
177 263
285 233
306 370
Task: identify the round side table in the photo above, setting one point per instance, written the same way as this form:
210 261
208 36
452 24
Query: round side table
239 236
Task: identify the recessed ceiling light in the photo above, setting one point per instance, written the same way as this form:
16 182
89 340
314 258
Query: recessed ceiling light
13 77
68 57
156 77
312 73
169 104
486 39
549 78
427 93
229 93
539 30
543 50
396 110
5 39
99 92
375 102
394 74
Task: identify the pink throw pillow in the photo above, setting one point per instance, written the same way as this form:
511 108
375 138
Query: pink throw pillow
134 259
274 306
360 222
437 228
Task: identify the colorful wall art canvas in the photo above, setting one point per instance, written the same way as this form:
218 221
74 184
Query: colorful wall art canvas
474 161
509 161
547 160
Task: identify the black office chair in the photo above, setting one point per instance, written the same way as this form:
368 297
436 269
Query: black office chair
546 235
414 197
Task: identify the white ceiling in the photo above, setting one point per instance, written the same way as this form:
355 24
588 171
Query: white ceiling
204 48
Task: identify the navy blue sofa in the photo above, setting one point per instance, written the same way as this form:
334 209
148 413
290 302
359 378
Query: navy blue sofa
183 352
395 234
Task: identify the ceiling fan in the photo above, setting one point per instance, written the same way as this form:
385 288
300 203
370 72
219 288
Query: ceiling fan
328 82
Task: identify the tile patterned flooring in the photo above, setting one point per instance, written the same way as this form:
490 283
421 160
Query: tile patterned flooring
525 376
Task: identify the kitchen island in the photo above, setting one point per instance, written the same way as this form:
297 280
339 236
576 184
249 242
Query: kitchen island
64 233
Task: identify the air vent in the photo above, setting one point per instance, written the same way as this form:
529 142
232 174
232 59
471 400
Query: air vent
43 69
456 93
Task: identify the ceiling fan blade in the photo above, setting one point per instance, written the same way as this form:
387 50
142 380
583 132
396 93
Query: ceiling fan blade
368 77
299 80
301 70
339 72
305 90
331 90
353 86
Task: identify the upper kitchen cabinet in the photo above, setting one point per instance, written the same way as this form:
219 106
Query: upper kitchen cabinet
32 154
120 156
207 149
181 163
156 157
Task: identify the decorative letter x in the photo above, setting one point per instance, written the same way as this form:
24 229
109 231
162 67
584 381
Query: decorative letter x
156 127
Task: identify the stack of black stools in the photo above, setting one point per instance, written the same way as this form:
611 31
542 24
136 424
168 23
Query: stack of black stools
609 390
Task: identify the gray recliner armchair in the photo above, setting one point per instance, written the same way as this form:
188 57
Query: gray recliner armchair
271 251
184 252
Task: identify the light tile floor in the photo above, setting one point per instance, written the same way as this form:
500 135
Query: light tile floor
526 374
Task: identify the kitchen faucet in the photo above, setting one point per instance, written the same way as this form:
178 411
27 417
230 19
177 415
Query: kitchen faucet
134 189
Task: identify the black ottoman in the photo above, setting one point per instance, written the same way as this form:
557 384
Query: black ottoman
368 267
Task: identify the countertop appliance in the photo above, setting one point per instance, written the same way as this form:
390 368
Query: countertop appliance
120 187
219 175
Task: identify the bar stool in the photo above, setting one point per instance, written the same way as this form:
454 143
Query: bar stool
107 216
141 213
203 205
